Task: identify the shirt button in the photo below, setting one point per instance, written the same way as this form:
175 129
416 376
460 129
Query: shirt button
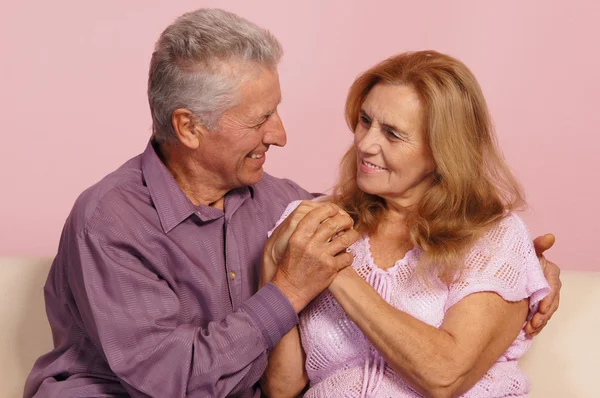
232 275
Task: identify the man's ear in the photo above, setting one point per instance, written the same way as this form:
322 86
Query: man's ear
188 131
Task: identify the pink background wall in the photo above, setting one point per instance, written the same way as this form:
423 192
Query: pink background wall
73 80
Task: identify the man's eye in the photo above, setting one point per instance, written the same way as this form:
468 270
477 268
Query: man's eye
257 126
263 121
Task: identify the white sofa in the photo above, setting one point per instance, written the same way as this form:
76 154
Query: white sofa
563 362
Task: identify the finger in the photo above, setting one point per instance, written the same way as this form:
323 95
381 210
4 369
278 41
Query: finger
311 221
342 241
286 228
537 331
541 327
537 321
550 302
308 205
529 328
552 274
543 243
542 319
534 323
343 260
332 226
547 302
553 308
301 211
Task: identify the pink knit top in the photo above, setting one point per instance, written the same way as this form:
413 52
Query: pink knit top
341 362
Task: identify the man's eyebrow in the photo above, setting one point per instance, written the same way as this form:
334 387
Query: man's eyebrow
268 113
263 116
260 119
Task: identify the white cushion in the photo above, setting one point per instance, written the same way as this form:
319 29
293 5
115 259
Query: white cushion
563 361
564 358
25 333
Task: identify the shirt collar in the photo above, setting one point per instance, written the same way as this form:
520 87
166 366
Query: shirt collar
171 203
169 200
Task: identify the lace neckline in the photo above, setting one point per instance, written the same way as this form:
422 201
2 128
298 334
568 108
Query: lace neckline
406 261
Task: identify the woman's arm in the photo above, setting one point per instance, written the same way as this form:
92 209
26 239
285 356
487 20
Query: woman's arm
444 362
285 375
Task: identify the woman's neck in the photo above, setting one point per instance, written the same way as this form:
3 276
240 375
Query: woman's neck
393 227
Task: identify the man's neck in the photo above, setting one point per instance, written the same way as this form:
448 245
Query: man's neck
196 184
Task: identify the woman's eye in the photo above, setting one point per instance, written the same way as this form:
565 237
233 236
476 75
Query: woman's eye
365 120
392 134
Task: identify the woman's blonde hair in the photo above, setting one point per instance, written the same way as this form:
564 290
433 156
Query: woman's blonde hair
473 185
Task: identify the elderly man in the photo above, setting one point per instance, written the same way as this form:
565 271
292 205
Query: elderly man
153 292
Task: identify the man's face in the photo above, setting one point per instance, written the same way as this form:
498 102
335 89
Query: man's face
235 151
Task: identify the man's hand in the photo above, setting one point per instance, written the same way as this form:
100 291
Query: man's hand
278 241
315 252
550 303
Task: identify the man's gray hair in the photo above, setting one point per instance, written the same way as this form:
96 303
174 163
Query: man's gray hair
192 66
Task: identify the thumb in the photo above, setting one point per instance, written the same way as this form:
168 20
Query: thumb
543 243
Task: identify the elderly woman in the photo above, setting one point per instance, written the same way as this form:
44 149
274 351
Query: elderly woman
445 274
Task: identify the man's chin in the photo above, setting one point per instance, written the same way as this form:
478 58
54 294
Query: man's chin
253 178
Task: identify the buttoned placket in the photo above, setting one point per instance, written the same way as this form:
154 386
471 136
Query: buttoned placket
233 270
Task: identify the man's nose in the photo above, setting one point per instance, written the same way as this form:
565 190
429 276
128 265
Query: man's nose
274 131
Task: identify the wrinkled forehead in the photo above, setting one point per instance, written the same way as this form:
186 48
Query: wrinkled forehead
393 104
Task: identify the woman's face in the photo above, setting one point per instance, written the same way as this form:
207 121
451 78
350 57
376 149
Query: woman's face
393 156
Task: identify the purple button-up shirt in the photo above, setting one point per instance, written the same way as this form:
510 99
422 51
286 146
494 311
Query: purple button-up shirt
150 295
